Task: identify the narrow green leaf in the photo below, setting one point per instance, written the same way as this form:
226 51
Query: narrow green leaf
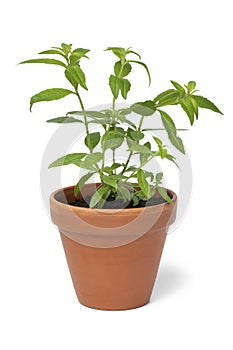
164 194
135 147
112 139
124 86
203 102
168 97
108 180
49 95
52 52
66 48
64 120
92 140
172 159
77 54
91 161
46 61
146 108
136 135
195 106
178 86
122 72
144 185
159 177
133 52
81 182
191 86
76 76
162 148
90 114
73 158
171 131
115 166
145 66
124 193
120 52
113 83
100 195
187 106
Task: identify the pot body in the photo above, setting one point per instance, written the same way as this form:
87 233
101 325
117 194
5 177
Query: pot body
113 255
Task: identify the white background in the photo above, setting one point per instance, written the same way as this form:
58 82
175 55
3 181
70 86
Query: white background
191 307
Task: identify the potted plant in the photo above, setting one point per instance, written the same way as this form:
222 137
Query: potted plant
113 231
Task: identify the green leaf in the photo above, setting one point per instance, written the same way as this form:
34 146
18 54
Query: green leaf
124 86
136 135
52 52
112 139
122 72
120 52
115 166
135 201
144 185
167 98
172 159
191 86
108 180
187 106
135 147
146 108
92 140
133 52
90 114
113 83
46 61
203 102
100 195
158 178
195 106
178 86
130 123
76 76
49 95
163 193
162 149
64 120
66 48
91 160
171 131
145 66
124 193
81 182
77 54
118 84
73 158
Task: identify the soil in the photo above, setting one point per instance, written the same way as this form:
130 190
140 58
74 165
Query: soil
111 203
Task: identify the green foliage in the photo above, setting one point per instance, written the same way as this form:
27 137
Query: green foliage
125 181
73 158
92 140
82 182
46 61
49 95
170 127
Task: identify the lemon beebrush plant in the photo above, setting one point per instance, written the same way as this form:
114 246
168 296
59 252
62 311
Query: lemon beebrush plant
119 181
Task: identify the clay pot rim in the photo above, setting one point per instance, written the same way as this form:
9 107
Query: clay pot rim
125 211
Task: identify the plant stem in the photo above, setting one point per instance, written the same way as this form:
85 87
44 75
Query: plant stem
149 159
85 122
131 152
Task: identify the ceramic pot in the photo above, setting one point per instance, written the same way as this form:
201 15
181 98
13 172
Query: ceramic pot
113 255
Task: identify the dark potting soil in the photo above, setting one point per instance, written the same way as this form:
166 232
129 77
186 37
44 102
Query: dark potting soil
111 203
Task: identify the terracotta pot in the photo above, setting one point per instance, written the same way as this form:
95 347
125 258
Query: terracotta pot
113 255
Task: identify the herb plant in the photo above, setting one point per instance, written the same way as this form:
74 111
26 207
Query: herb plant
119 180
